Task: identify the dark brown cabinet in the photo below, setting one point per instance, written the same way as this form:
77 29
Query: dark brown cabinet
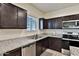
65 44
71 17
43 23
40 48
0 14
8 16
58 23
15 52
22 17
12 17
53 23
45 43
48 43
55 44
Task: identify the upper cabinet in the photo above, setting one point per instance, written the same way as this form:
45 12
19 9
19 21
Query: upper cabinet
51 24
8 16
71 17
12 17
43 24
57 22
22 18
54 23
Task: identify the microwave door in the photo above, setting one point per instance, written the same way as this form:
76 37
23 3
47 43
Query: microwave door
68 24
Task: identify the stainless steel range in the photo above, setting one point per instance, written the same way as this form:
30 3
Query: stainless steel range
70 36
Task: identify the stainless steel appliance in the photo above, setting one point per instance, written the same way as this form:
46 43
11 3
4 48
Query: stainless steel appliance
71 35
69 40
71 24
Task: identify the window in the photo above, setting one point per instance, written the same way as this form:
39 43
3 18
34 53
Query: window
31 23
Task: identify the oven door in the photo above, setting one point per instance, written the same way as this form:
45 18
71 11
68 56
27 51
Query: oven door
74 48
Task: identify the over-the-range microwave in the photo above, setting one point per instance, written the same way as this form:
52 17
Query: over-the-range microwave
71 24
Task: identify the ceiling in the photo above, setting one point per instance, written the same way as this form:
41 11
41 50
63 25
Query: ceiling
47 7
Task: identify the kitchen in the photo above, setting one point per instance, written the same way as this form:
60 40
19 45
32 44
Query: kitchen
32 29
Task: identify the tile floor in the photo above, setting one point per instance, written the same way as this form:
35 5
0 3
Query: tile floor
49 52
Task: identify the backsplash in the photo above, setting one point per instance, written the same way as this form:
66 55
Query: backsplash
13 33
60 31
54 31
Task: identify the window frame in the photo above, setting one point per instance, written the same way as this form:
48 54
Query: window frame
31 23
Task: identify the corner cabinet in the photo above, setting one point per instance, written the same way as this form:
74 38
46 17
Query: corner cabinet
43 23
55 43
41 46
12 17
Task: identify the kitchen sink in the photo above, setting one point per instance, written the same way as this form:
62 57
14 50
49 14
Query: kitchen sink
34 37
31 37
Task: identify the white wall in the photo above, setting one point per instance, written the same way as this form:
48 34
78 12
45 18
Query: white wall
63 12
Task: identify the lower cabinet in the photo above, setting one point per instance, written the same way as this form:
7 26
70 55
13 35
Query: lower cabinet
65 44
29 50
48 43
40 47
55 43
15 52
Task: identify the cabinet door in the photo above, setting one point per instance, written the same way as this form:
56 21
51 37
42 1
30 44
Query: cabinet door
8 16
58 23
71 17
55 44
41 23
51 24
45 43
22 18
0 14
15 52
45 24
38 48
65 44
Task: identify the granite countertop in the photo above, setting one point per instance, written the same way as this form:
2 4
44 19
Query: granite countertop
8 45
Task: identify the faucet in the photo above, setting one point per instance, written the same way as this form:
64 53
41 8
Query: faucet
36 36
